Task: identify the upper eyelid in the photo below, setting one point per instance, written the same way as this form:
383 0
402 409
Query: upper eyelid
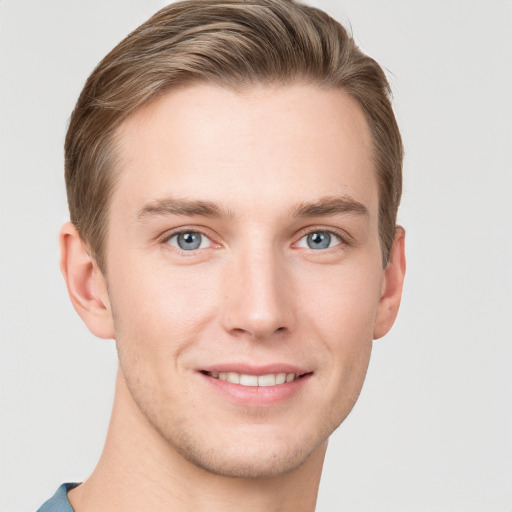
345 237
167 235
164 239
342 242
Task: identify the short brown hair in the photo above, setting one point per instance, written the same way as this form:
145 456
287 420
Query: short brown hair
233 43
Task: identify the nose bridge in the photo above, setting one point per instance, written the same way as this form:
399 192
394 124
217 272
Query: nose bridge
258 301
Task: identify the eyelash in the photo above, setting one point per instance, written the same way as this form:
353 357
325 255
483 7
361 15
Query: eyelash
169 235
343 236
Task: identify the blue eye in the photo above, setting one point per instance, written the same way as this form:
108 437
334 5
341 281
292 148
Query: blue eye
319 240
189 241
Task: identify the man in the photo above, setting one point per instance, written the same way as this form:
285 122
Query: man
233 173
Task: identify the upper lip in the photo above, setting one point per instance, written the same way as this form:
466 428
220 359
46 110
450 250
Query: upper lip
248 369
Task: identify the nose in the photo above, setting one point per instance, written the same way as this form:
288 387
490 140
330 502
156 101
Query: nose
259 296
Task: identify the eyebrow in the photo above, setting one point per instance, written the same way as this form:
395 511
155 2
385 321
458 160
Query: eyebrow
184 207
330 205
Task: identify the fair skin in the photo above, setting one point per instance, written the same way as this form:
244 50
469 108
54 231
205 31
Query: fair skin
242 240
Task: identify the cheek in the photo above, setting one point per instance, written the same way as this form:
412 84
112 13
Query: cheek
342 318
158 313
342 303
340 313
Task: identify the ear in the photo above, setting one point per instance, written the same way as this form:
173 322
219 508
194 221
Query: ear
391 291
86 284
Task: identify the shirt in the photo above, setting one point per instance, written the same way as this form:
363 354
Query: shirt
59 501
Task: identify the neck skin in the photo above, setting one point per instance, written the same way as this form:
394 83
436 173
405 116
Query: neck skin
138 470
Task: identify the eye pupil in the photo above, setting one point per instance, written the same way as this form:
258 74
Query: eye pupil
319 240
189 241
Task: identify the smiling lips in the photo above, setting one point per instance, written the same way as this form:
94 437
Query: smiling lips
251 386
271 379
256 386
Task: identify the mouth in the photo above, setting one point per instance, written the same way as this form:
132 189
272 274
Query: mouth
256 387
251 380
248 385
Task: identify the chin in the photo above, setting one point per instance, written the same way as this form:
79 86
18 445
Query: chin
248 459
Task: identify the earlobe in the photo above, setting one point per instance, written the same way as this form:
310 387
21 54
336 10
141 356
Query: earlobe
392 284
85 282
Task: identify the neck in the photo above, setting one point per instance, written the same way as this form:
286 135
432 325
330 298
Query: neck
139 470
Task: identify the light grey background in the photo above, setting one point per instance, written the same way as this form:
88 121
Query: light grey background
432 430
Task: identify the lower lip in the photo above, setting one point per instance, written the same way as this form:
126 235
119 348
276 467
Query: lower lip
257 396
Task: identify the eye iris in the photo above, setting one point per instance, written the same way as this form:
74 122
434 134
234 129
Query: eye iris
189 241
319 240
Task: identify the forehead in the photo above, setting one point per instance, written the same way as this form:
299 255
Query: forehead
282 144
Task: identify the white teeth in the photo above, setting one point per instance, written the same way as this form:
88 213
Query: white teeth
248 380
234 378
267 380
271 379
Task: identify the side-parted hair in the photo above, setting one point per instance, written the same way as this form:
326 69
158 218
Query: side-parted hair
234 44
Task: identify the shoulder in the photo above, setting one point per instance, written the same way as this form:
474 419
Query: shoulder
59 501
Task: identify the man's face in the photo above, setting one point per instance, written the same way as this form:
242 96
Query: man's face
243 245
